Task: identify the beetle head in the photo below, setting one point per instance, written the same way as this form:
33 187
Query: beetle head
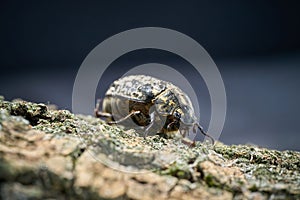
188 119
186 115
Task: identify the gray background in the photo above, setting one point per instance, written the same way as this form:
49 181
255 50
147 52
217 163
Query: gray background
255 44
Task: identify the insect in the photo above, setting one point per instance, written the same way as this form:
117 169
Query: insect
149 105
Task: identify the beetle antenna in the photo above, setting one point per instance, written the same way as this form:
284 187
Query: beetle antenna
205 134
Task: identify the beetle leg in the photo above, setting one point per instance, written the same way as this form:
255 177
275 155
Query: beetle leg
182 132
188 142
147 130
132 113
169 125
195 129
99 113
102 114
204 133
152 119
185 132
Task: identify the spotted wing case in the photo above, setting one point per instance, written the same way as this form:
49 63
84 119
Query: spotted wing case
138 88
141 88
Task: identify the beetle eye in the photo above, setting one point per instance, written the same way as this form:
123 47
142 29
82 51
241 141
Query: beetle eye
177 115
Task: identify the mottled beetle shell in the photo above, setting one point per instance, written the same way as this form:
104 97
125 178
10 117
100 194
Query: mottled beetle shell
157 100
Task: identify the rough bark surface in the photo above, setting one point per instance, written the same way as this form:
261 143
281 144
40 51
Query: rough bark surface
46 153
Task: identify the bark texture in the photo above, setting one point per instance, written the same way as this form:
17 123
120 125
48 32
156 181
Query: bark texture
46 153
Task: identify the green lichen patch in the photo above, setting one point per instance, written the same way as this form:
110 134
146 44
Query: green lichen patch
265 170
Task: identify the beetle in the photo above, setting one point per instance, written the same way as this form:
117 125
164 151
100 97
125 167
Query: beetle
149 105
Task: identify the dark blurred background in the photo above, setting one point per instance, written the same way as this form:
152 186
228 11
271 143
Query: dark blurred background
255 44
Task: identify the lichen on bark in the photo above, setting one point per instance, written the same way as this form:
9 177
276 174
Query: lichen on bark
46 153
